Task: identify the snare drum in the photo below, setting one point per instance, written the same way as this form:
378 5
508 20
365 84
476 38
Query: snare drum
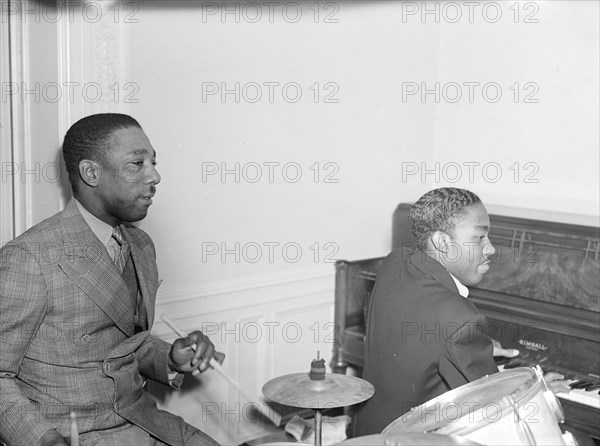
509 408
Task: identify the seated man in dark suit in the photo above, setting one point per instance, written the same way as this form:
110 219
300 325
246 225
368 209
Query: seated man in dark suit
424 337
77 295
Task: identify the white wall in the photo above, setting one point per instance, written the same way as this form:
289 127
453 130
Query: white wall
557 135
365 135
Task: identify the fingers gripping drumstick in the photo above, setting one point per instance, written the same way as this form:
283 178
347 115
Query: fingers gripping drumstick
274 417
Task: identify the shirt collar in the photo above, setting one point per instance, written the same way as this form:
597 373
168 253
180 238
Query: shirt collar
100 229
462 290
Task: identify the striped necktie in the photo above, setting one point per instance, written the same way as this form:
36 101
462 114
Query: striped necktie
121 249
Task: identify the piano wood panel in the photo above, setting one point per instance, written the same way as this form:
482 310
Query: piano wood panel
353 286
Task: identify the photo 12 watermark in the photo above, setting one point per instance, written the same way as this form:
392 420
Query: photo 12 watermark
249 412
268 252
30 172
526 335
270 172
470 12
473 411
51 172
53 411
72 332
521 252
51 252
53 92
71 11
271 332
270 12
471 172
271 92
470 92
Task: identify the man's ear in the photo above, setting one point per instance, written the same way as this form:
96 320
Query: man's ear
90 172
440 241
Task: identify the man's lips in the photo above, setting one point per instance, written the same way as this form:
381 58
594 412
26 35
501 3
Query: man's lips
147 198
150 194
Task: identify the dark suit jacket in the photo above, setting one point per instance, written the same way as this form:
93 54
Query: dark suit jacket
422 339
67 338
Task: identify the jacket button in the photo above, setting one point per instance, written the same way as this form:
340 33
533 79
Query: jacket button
85 338
106 366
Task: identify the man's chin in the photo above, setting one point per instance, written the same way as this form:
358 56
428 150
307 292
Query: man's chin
471 281
135 218
477 276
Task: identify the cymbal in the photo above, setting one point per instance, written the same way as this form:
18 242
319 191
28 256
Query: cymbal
409 439
298 390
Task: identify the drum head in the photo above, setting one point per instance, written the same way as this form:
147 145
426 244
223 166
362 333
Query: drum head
468 407
408 439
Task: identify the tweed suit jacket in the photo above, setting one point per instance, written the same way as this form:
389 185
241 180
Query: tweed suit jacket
423 338
67 340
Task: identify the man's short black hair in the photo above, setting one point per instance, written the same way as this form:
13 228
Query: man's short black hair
438 210
88 139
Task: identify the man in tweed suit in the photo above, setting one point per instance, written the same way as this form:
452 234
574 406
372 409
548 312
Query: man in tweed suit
77 294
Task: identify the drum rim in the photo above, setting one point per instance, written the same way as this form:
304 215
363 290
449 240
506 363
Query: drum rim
466 423
402 437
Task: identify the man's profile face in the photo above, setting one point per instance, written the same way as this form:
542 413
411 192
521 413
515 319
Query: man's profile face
129 176
468 255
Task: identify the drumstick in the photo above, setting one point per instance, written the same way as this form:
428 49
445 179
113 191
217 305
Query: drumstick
274 417
74 431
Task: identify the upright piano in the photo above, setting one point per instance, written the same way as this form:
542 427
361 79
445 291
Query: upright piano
541 296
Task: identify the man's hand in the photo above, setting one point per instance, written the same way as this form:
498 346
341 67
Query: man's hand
557 382
192 352
53 438
506 352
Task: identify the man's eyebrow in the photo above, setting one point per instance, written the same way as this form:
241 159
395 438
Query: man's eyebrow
483 227
142 152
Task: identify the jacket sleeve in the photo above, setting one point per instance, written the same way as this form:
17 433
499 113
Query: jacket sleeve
23 303
153 357
467 353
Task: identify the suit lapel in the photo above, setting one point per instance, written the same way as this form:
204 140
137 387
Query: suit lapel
88 264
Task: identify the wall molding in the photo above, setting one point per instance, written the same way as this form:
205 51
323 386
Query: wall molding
16 144
241 292
6 183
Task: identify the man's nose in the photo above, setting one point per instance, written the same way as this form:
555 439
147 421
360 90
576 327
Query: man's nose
489 250
154 176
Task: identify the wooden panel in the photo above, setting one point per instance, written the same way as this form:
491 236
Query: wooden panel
354 284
